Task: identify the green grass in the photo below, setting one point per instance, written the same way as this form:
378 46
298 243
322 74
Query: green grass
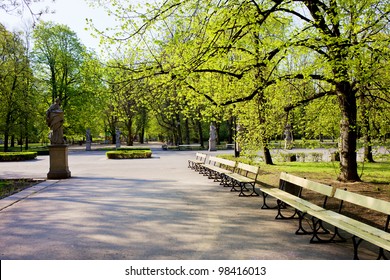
31 147
11 186
378 172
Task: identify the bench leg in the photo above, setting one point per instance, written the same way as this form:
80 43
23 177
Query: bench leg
233 186
318 228
301 230
265 205
225 181
280 215
357 241
381 254
243 189
211 174
203 170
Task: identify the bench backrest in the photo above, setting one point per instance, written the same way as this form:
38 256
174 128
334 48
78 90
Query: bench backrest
201 156
247 170
221 162
363 201
307 184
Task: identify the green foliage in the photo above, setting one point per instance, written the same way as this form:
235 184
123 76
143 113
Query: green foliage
65 69
129 154
176 66
17 97
17 156
283 61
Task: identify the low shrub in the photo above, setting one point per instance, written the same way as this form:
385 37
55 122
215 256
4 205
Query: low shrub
129 154
43 152
132 149
316 157
289 157
18 156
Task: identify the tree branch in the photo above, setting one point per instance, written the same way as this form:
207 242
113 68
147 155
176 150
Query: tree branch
307 100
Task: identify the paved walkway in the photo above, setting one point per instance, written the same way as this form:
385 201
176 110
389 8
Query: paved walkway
142 209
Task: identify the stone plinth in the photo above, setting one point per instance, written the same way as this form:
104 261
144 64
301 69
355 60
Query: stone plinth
212 145
59 168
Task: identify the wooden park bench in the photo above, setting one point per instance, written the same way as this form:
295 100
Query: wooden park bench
200 158
216 168
289 194
243 175
320 215
360 231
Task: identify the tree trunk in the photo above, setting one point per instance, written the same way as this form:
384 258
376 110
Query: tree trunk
12 141
267 156
230 124
187 132
26 143
348 133
179 140
200 133
366 130
129 126
6 132
113 136
6 140
142 135
218 126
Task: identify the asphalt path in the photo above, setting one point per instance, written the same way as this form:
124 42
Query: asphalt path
146 209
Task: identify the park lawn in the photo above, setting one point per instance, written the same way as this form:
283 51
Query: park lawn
12 186
18 148
375 177
378 172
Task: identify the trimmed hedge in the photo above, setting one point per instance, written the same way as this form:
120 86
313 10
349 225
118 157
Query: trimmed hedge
129 154
18 156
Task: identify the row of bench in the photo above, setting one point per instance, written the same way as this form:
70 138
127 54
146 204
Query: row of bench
237 176
290 196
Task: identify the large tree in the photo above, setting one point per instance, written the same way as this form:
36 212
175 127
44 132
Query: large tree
66 70
238 40
58 57
15 77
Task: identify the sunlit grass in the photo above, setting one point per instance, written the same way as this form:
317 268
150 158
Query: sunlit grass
378 172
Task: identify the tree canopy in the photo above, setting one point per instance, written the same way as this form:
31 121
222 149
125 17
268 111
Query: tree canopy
235 52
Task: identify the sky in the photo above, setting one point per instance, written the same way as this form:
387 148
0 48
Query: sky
72 13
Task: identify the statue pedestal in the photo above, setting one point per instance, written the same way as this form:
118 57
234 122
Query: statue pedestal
59 168
88 146
212 145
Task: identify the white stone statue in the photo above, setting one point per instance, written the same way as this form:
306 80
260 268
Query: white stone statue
88 140
55 120
118 138
213 138
288 136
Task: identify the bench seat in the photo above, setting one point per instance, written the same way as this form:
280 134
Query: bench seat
301 206
322 218
200 158
217 168
241 176
372 234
